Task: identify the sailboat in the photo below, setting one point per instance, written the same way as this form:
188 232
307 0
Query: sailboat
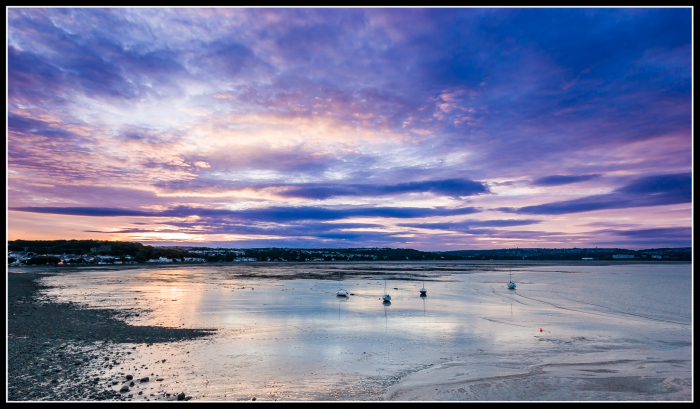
423 291
386 297
511 284
341 292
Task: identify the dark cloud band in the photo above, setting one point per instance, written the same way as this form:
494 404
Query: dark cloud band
655 190
270 214
556 180
446 187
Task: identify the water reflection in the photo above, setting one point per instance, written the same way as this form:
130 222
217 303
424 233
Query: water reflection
284 337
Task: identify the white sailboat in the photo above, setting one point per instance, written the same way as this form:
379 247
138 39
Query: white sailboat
511 284
423 291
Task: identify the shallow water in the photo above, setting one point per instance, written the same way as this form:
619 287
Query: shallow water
282 334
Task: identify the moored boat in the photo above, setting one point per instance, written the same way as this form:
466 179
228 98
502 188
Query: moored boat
511 284
386 296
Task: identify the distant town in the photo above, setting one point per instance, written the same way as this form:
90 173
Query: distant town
91 252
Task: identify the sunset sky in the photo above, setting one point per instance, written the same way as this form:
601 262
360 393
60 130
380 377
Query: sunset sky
433 129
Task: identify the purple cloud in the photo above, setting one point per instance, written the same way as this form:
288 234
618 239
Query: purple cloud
446 187
645 238
469 225
556 180
655 190
271 214
113 111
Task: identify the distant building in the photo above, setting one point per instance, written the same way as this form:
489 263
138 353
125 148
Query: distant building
587 258
623 255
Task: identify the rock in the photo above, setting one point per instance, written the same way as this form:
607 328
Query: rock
140 392
124 389
144 379
188 398
131 383
129 377
253 397
159 379
181 396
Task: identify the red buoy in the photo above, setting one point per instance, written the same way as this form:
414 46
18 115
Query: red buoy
540 329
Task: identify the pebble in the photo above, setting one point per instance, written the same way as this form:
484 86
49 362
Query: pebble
144 379
124 389
129 377
181 396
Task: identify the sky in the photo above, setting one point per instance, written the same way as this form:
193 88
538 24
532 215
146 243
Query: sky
426 128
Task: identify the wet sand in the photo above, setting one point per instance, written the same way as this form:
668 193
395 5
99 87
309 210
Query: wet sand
61 351
58 351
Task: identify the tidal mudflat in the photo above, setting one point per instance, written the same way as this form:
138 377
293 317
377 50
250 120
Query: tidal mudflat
277 331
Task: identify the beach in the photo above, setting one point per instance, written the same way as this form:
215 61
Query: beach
277 332
56 351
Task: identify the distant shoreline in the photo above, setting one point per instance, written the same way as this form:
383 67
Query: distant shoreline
63 268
